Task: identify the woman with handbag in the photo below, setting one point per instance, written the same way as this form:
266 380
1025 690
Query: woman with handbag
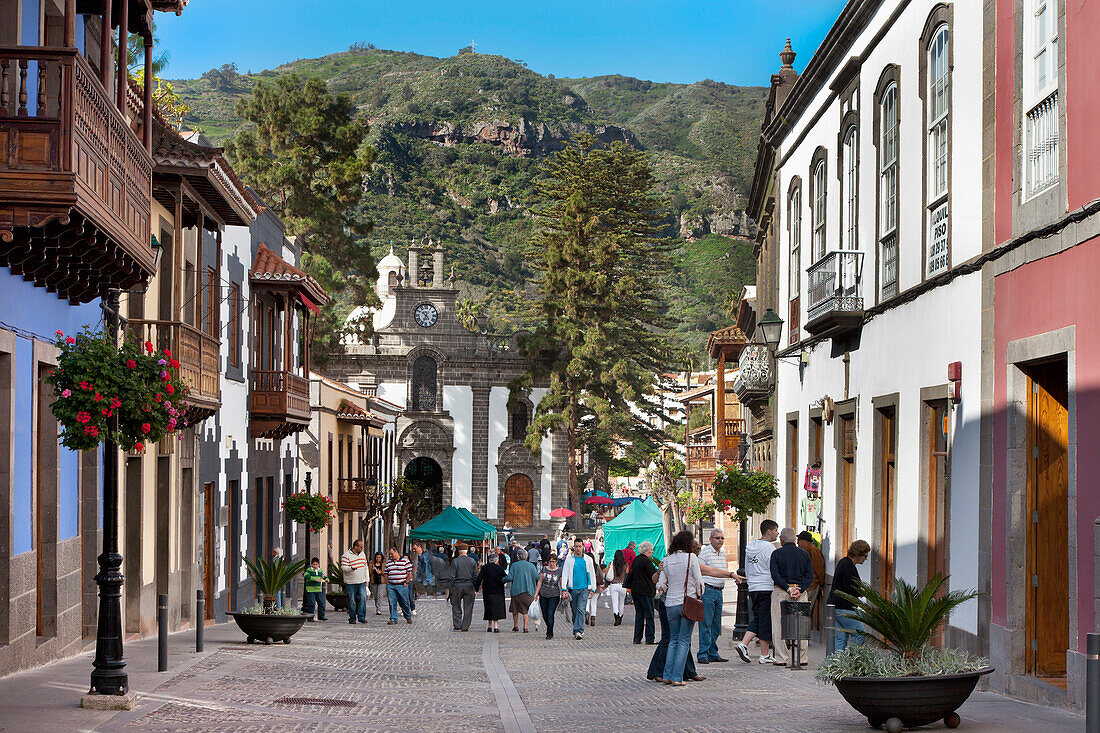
682 583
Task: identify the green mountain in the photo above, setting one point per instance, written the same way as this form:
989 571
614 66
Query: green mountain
460 139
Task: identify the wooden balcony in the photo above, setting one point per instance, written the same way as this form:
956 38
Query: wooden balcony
354 495
75 180
199 358
278 403
701 460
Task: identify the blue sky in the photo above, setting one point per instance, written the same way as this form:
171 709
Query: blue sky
735 41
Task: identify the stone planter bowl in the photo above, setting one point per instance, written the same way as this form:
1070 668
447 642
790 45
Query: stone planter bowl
268 628
908 702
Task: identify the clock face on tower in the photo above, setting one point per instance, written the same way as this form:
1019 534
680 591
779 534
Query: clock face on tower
426 315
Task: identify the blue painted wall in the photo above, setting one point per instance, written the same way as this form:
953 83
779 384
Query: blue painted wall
33 310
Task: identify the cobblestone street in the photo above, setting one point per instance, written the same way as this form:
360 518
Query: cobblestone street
425 677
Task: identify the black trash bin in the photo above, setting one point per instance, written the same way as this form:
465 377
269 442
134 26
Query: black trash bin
795 620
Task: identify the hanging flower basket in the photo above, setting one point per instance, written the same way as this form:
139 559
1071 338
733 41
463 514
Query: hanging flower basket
743 493
312 510
130 393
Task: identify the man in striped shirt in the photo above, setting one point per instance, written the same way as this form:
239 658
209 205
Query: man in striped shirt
399 573
353 563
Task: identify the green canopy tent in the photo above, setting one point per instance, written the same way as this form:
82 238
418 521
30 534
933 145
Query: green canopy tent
454 523
639 522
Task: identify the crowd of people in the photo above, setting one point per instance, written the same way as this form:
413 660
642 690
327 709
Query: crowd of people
536 582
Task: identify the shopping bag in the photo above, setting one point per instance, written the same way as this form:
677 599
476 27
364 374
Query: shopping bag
533 611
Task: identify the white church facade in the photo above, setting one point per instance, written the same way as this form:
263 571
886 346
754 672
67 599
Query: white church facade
458 434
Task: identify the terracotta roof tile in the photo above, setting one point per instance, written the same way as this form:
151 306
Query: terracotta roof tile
271 268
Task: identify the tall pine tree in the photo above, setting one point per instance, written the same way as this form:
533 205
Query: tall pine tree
599 308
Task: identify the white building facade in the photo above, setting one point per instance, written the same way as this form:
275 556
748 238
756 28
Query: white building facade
876 180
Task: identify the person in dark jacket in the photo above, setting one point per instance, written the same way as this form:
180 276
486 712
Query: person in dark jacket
490 581
845 578
642 586
792 573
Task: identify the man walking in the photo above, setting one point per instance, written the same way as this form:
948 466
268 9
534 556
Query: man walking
399 574
462 588
630 553
710 631
353 563
758 556
791 573
578 579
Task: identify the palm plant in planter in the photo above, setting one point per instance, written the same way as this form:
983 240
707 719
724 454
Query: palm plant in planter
899 679
274 623
338 599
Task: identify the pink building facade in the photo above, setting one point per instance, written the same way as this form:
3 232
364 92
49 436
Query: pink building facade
1041 344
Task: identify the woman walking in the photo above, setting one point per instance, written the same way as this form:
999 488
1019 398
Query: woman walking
639 580
615 575
490 581
679 579
845 578
378 581
548 591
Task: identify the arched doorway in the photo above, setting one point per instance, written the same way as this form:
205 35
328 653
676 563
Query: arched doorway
518 500
425 472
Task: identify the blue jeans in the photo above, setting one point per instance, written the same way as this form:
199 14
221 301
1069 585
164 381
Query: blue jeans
711 628
314 598
660 654
842 636
579 599
357 601
398 596
679 643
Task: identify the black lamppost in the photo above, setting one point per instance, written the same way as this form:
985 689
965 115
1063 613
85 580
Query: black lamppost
108 673
771 329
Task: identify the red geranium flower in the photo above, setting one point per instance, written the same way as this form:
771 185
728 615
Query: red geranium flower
85 385
91 430
159 397
115 403
131 363
83 417
168 353
146 427
98 397
138 447
105 411
169 388
175 364
70 340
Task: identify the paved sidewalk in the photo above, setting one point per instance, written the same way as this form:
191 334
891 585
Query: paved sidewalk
426 677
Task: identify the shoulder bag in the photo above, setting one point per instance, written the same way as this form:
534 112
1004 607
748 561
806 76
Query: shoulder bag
693 607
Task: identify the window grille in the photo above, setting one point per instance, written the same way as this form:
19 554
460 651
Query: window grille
1041 138
890 266
424 384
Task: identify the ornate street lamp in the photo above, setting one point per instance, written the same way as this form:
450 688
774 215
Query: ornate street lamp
771 328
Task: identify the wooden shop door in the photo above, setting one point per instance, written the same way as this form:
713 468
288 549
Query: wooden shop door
208 548
1048 499
518 500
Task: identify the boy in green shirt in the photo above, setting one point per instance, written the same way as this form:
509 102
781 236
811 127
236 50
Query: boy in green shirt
314 577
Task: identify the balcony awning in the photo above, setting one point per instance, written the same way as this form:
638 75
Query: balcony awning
352 413
730 339
308 303
271 271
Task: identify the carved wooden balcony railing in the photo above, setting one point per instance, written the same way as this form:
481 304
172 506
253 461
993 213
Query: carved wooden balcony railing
353 495
700 458
75 180
278 402
198 355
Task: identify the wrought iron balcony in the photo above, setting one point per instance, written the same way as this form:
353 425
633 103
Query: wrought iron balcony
198 355
278 402
754 373
835 303
75 180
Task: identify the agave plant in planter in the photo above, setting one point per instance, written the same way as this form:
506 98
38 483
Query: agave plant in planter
273 623
899 679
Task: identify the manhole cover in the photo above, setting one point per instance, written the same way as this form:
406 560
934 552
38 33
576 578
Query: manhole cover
322 701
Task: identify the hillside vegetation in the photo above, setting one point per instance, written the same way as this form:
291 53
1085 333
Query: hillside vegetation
460 140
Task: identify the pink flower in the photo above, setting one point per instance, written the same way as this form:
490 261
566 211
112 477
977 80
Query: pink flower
162 362
66 393
171 423
164 375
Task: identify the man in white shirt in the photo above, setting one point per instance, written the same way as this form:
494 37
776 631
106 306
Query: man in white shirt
758 558
710 631
578 579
